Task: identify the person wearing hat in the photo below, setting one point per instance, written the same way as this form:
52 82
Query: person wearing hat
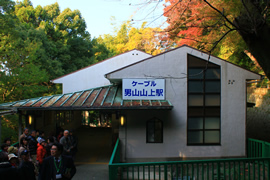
6 169
12 150
26 167
41 151
13 159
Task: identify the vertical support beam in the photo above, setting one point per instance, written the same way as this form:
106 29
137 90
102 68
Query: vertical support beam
123 138
20 125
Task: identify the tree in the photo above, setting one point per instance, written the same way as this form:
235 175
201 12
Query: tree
69 45
208 22
127 38
21 74
38 44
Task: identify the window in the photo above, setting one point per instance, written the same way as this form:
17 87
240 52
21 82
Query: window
64 117
154 131
203 126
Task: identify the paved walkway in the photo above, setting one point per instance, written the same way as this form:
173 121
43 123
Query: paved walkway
94 152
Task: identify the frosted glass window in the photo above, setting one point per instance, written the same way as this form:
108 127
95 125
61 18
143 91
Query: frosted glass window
211 136
195 73
212 123
195 100
212 100
212 74
195 86
212 86
195 137
195 123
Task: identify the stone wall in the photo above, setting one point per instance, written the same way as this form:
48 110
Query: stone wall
258 117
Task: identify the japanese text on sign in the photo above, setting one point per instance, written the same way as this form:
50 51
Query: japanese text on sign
143 89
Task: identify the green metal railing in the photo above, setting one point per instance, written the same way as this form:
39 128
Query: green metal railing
254 168
221 169
115 158
257 148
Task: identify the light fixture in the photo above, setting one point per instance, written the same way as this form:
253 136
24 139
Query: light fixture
122 120
30 119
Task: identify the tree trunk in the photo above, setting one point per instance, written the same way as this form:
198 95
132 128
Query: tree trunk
259 46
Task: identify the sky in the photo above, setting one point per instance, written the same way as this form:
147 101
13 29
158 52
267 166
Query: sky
98 13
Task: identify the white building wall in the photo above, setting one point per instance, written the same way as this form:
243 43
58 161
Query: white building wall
173 67
93 76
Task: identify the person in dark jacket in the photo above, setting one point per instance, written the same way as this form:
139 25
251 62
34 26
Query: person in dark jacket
32 145
66 142
74 143
57 166
48 147
6 169
26 167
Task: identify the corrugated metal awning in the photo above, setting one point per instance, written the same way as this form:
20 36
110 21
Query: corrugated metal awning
107 97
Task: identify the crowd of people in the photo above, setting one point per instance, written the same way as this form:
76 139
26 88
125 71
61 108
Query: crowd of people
38 157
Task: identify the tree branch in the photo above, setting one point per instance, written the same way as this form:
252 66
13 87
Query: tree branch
248 13
222 14
216 43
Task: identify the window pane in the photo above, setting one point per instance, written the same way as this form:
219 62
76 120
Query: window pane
158 125
194 61
212 100
195 123
195 100
212 74
195 86
195 73
195 111
211 137
195 137
212 123
154 131
212 111
158 136
212 86
150 132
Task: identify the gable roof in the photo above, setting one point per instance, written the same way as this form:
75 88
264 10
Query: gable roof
176 49
97 63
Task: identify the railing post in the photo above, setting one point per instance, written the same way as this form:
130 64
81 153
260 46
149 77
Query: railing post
112 172
263 149
218 170
0 129
165 172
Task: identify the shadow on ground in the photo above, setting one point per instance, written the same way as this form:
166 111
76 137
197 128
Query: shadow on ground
94 152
